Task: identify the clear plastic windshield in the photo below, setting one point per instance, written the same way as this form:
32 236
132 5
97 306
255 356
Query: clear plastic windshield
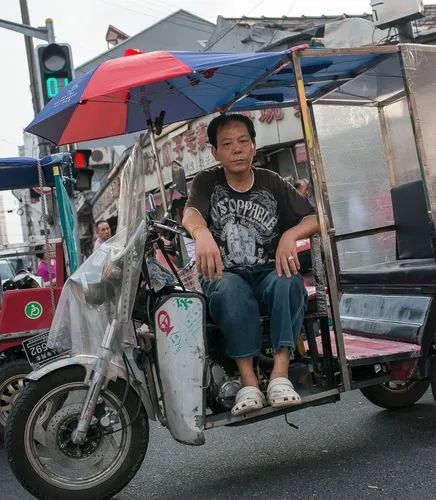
104 287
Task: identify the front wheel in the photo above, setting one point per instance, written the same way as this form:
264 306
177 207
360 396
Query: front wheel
395 395
39 442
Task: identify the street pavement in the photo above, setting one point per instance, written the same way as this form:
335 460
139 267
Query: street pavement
350 450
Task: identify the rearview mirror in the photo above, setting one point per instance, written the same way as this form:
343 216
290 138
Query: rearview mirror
179 178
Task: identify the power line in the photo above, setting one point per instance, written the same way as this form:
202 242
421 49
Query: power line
192 26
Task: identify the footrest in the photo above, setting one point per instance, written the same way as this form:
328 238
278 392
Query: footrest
364 350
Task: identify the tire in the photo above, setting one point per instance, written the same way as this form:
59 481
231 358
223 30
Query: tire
395 398
28 467
12 375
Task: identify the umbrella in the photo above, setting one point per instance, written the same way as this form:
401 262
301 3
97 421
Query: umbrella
121 95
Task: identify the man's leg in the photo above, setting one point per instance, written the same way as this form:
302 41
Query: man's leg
285 300
235 311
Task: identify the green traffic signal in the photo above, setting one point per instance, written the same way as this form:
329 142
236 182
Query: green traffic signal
55 69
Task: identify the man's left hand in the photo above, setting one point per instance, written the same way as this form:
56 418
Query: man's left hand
287 262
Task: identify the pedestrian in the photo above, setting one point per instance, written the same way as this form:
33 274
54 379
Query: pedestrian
46 265
103 233
246 222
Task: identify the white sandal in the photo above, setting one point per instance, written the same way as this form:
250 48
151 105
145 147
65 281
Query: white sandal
248 399
281 393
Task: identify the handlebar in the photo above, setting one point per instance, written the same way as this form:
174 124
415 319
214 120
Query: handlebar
174 228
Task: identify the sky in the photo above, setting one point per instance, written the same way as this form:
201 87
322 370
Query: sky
83 24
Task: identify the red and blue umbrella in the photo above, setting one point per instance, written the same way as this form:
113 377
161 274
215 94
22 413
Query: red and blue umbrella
119 95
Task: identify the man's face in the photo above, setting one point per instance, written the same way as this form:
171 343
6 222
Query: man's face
235 149
104 231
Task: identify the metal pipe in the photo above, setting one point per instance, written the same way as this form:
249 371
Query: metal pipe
155 152
30 60
388 146
316 168
50 30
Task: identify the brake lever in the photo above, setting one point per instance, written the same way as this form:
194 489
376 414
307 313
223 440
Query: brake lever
175 230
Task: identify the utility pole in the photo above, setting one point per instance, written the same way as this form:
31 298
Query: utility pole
30 59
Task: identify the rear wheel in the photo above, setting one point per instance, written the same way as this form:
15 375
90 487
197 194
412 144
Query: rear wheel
396 394
12 376
39 443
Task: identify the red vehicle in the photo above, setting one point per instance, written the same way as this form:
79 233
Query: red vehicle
28 311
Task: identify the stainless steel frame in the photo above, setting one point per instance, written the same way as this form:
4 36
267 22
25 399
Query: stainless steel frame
318 179
387 145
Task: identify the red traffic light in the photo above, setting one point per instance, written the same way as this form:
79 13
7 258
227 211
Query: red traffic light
81 158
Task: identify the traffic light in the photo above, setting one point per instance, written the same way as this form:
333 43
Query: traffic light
81 170
55 69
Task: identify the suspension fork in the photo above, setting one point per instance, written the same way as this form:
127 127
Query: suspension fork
98 377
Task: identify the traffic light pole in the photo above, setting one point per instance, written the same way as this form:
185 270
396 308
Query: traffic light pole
30 59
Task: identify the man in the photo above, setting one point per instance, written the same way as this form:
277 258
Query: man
103 233
246 222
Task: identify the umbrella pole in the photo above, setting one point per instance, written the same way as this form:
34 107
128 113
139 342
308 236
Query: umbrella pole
156 156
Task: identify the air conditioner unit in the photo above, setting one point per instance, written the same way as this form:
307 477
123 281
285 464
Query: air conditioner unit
388 13
101 156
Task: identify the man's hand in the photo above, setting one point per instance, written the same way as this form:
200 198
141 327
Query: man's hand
207 255
286 255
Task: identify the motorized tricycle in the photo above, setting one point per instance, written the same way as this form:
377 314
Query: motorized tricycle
26 305
136 344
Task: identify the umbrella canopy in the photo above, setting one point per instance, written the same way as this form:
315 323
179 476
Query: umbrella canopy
109 100
116 97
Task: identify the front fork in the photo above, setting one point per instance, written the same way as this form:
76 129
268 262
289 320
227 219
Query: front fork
98 377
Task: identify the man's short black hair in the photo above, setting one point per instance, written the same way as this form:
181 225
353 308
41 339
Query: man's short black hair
101 222
222 120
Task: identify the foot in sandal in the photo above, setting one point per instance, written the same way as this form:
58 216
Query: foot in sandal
281 393
248 399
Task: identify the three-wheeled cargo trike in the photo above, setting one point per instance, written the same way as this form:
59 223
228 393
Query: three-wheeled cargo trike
136 344
26 305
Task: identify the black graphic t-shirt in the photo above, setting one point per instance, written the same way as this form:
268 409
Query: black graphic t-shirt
247 226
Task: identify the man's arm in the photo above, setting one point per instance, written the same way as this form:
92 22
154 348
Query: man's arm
286 255
207 254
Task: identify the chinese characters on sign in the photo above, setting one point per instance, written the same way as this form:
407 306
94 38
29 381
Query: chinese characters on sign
194 141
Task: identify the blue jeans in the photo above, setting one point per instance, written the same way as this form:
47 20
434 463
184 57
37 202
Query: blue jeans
237 301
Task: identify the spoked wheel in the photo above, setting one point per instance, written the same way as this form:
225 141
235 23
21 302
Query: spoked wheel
12 377
394 395
39 438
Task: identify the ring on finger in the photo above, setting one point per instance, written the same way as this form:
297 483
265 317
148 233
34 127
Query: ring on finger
291 258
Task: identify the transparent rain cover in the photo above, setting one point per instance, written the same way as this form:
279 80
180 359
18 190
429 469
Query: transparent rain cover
104 287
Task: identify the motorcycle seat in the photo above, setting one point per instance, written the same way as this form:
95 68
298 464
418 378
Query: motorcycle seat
405 274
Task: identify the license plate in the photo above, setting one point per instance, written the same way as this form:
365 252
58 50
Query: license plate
37 350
